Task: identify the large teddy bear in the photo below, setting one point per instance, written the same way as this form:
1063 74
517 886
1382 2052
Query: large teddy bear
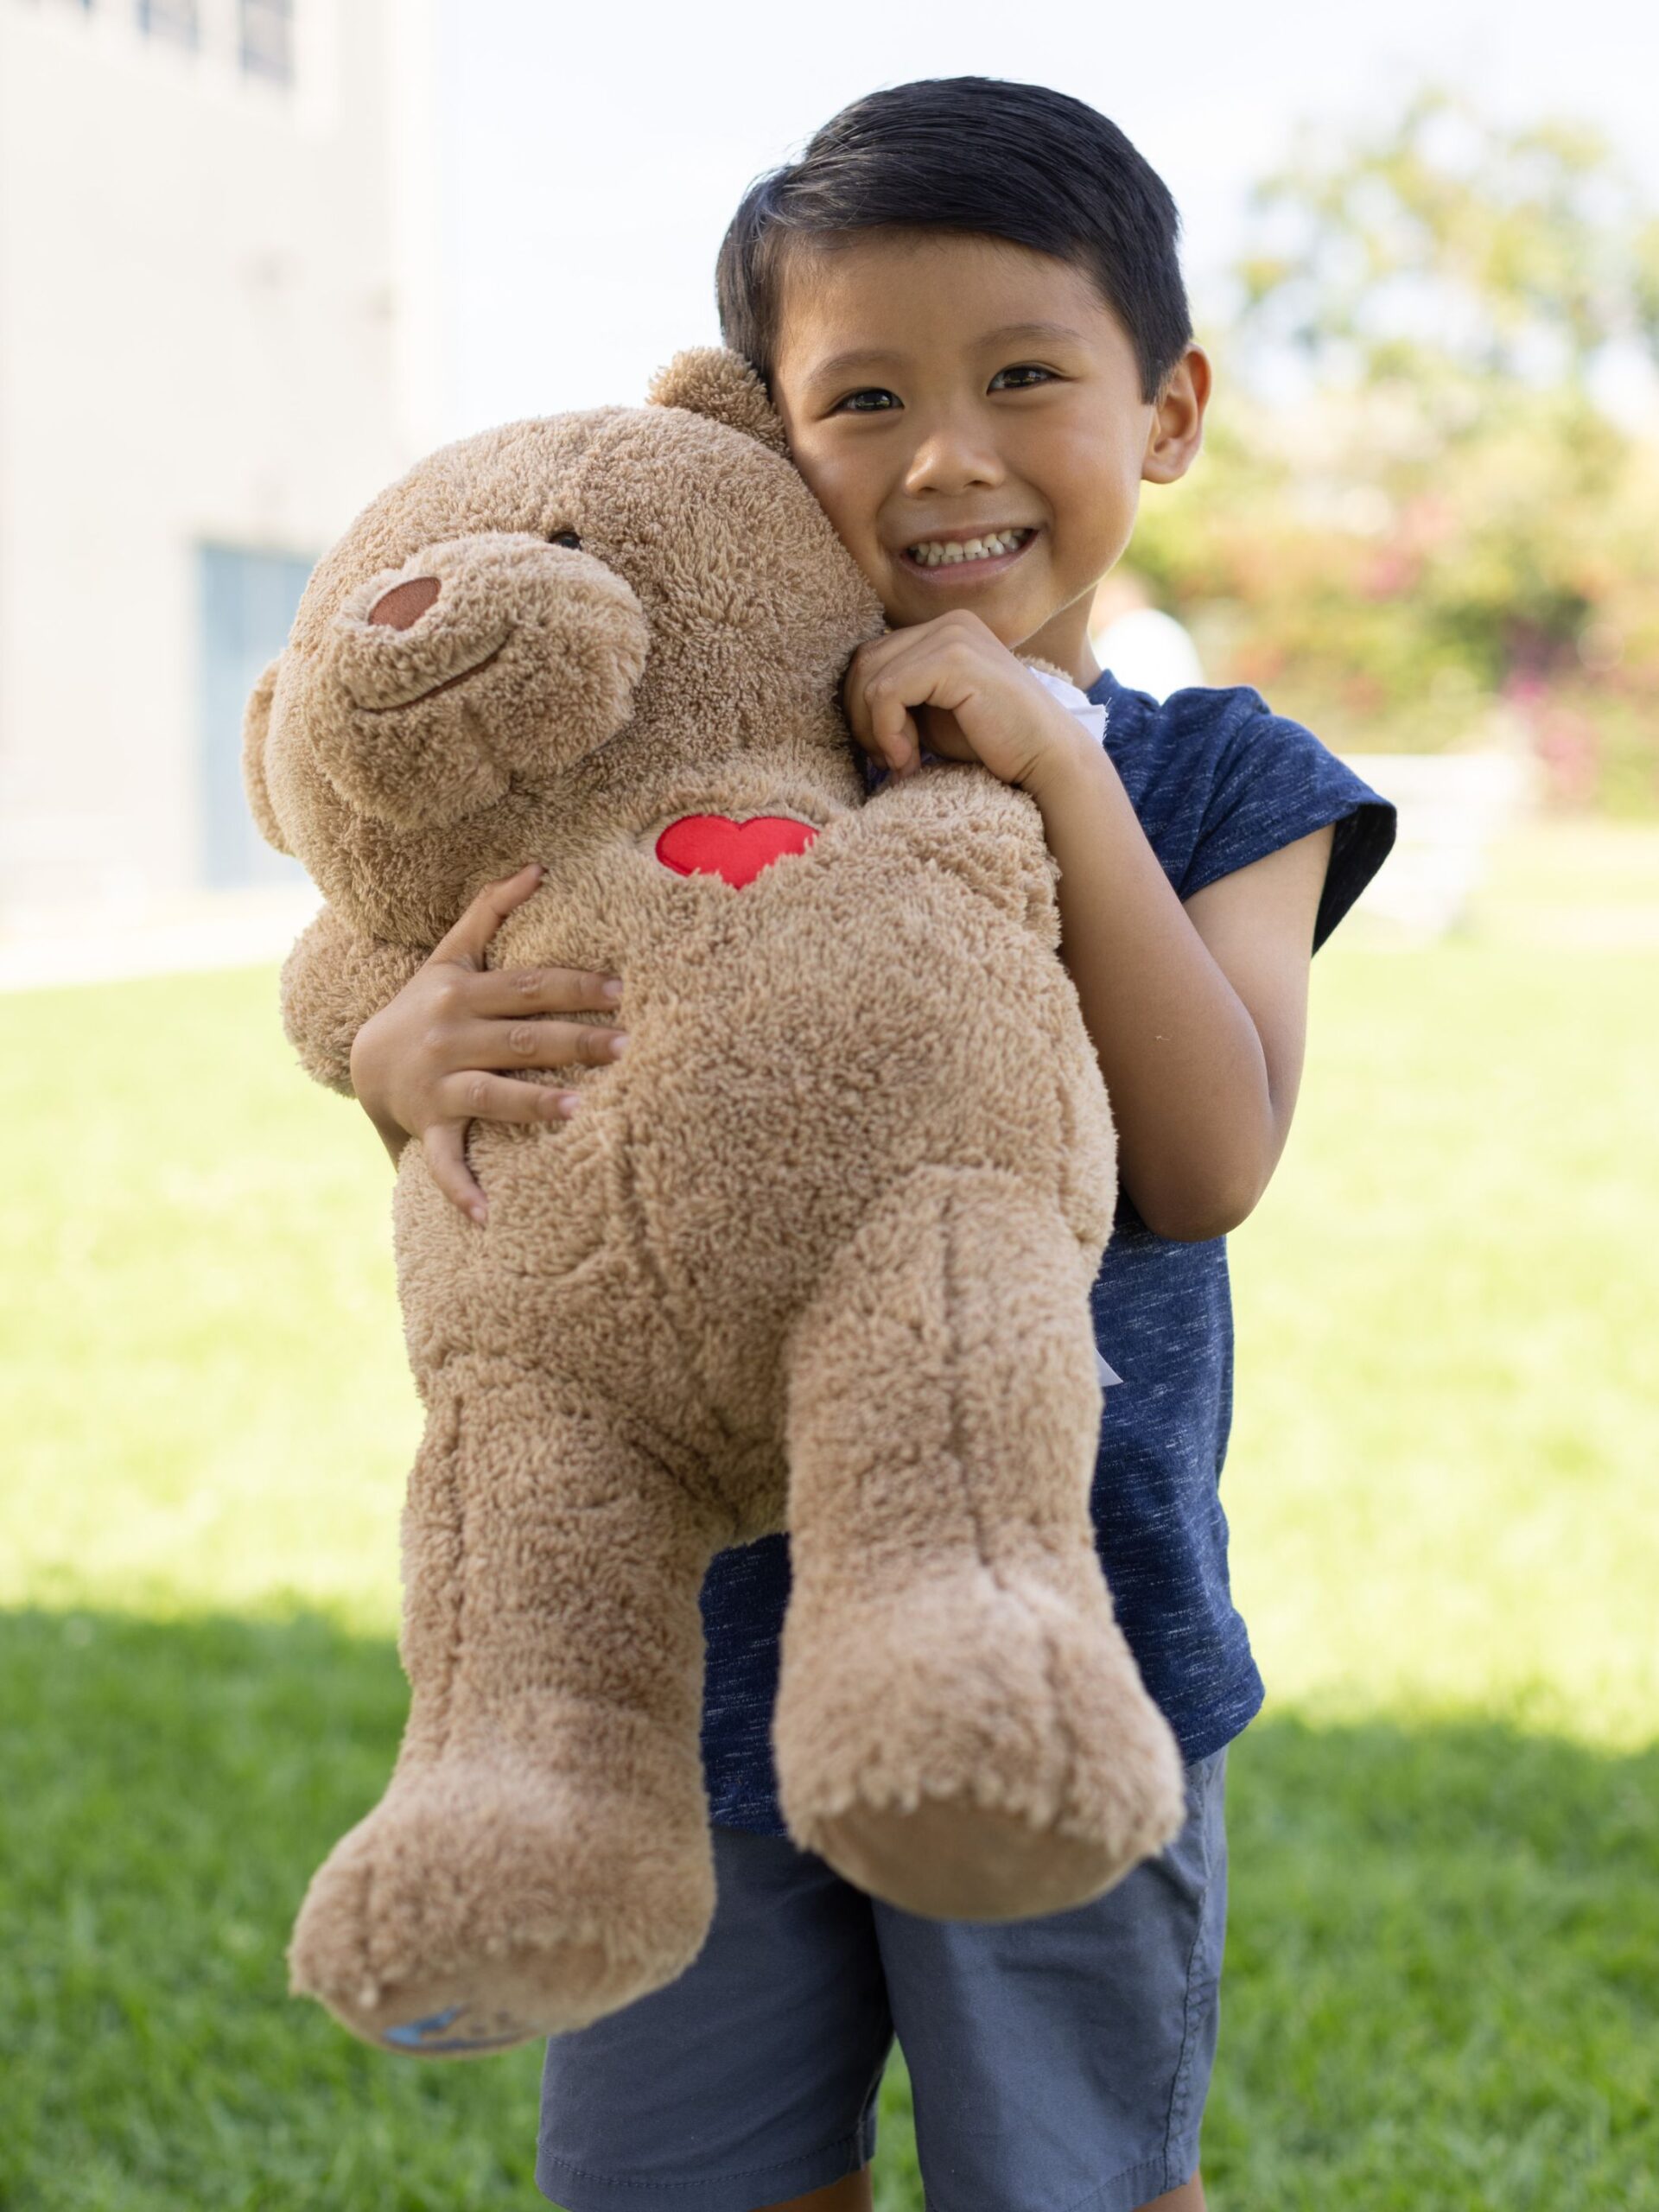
815 1254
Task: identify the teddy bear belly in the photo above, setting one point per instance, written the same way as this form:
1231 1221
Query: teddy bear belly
776 1094
556 1285
788 1062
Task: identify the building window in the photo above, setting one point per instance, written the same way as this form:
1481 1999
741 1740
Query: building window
170 19
267 39
247 600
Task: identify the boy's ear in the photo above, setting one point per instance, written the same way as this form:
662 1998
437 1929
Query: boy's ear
1177 432
255 728
713 381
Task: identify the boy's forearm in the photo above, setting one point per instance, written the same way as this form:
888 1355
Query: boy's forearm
1183 1062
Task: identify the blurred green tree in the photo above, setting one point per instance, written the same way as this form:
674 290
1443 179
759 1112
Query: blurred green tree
1428 497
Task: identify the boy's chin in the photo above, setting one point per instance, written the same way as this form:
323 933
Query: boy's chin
1011 615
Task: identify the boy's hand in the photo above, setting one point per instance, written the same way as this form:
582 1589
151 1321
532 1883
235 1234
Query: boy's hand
420 1067
952 686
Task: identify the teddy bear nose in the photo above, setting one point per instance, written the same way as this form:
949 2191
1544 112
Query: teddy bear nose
404 604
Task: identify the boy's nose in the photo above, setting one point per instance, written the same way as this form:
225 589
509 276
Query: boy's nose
950 460
405 603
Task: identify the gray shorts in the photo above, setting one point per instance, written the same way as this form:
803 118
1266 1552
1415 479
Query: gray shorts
1060 2062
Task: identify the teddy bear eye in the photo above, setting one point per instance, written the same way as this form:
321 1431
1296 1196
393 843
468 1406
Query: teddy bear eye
566 537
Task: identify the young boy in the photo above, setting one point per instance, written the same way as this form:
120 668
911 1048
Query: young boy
966 303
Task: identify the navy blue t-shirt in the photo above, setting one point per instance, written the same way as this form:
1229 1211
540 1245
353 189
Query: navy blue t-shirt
1217 780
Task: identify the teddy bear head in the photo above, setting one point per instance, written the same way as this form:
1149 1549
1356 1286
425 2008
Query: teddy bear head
555 616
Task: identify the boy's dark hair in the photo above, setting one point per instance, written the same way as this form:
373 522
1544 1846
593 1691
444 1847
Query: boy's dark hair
1015 162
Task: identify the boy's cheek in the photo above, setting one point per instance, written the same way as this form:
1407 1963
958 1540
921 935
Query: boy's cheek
839 492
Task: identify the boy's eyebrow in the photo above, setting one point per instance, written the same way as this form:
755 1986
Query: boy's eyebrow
874 357
1010 330
839 365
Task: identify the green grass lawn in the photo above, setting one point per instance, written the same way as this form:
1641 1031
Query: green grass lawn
1442 1987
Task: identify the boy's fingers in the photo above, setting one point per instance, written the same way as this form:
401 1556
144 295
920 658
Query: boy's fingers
509 991
445 1146
879 719
942 733
476 1096
466 942
854 701
892 727
533 1044
491 1098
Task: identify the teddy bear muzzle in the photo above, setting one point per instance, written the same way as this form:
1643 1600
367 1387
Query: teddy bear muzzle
480 662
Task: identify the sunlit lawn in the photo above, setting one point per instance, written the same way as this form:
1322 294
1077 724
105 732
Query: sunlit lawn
1443 1971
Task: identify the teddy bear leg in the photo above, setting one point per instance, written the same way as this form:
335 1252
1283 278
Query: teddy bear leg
542 1854
961 1728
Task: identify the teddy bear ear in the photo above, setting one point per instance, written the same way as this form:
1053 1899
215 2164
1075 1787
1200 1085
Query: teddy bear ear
713 381
255 728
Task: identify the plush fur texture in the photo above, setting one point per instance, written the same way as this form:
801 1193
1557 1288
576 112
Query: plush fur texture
815 1253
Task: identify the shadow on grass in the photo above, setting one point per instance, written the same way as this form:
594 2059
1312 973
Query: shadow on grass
1440 1990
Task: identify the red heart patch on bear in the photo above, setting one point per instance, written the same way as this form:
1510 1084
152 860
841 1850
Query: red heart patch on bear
714 844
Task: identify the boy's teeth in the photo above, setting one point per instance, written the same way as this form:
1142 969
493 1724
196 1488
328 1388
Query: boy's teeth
938 552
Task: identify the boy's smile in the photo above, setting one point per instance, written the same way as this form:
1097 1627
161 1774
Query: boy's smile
969 414
981 552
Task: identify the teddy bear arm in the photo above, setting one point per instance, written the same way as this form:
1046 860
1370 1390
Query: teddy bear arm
962 819
332 982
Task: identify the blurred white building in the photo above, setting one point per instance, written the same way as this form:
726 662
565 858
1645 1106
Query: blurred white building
218 220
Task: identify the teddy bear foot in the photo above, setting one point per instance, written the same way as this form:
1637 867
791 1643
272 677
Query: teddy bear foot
986 1751
469 1913
507 2001
951 1859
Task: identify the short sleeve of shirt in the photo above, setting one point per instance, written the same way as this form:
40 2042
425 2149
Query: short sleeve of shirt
1273 782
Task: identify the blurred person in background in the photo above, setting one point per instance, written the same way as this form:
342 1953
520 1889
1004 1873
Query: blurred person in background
1144 648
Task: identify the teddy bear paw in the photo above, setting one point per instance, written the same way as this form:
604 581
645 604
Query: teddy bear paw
462 1916
984 1750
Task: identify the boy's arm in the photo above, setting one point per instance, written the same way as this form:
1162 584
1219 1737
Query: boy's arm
1198 1010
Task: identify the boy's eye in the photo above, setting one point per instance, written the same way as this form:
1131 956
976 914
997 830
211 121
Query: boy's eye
872 400
1027 373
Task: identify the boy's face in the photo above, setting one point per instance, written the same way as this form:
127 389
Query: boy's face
939 389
